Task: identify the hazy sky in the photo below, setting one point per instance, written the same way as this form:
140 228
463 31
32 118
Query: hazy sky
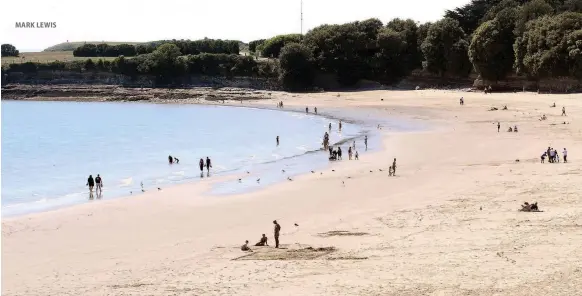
148 20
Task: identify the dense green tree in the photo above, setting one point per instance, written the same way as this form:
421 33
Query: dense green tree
296 68
548 47
531 11
272 47
445 49
8 50
89 65
574 42
253 45
411 54
491 48
470 15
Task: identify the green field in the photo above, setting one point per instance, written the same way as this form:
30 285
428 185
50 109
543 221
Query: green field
47 57
70 46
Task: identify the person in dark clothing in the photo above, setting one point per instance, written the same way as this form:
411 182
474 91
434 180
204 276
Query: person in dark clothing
498 126
277 230
315 110
330 151
306 109
208 164
176 160
170 159
339 153
277 140
90 183
366 142
201 164
394 167
262 242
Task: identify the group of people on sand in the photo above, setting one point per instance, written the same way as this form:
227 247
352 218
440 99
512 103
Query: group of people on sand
553 156
206 165
96 183
263 242
336 154
280 104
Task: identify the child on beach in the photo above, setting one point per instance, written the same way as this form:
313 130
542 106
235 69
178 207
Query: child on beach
357 155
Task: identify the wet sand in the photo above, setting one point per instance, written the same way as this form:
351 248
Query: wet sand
446 224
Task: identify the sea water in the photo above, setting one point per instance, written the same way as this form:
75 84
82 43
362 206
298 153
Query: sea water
50 148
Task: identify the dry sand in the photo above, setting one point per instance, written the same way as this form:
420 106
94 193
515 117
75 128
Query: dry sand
447 224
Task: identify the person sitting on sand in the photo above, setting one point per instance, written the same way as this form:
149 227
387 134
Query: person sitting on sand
515 129
504 107
262 242
245 247
390 171
553 105
510 129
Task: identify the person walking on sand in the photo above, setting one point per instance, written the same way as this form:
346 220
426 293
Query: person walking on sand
565 154
394 167
350 153
339 153
208 164
315 110
277 140
201 164
563 111
276 230
354 145
99 183
498 126
357 156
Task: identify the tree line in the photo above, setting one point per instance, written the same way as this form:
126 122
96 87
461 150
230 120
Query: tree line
8 50
186 47
536 39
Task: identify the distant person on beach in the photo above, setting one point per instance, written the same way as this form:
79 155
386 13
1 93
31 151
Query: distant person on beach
340 125
170 159
277 140
201 164
245 247
208 164
176 160
349 153
276 231
90 183
390 171
329 126
339 153
306 109
498 126
366 142
565 154
315 110
262 242
394 167
461 101
330 151
543 157
99 183
357 155
563 111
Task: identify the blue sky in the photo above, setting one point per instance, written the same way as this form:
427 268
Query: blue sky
181 19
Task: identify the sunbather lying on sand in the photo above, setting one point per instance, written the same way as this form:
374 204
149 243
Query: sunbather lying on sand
526 207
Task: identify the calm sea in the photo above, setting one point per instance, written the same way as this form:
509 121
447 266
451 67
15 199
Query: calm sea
50 148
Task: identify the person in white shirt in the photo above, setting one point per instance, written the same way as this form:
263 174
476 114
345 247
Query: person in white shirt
565 153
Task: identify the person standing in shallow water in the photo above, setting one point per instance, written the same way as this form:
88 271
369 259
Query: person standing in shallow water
329 126
208 164
277 140
315 110
201 164
90 183
170 159
306 109
366 142
99 183
276 230
340 125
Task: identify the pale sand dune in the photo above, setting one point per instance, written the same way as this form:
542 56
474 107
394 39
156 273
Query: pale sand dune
419 233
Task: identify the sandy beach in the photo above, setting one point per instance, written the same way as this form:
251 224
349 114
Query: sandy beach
446 224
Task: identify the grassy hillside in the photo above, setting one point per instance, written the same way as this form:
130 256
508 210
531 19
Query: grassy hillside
70 46
45 57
